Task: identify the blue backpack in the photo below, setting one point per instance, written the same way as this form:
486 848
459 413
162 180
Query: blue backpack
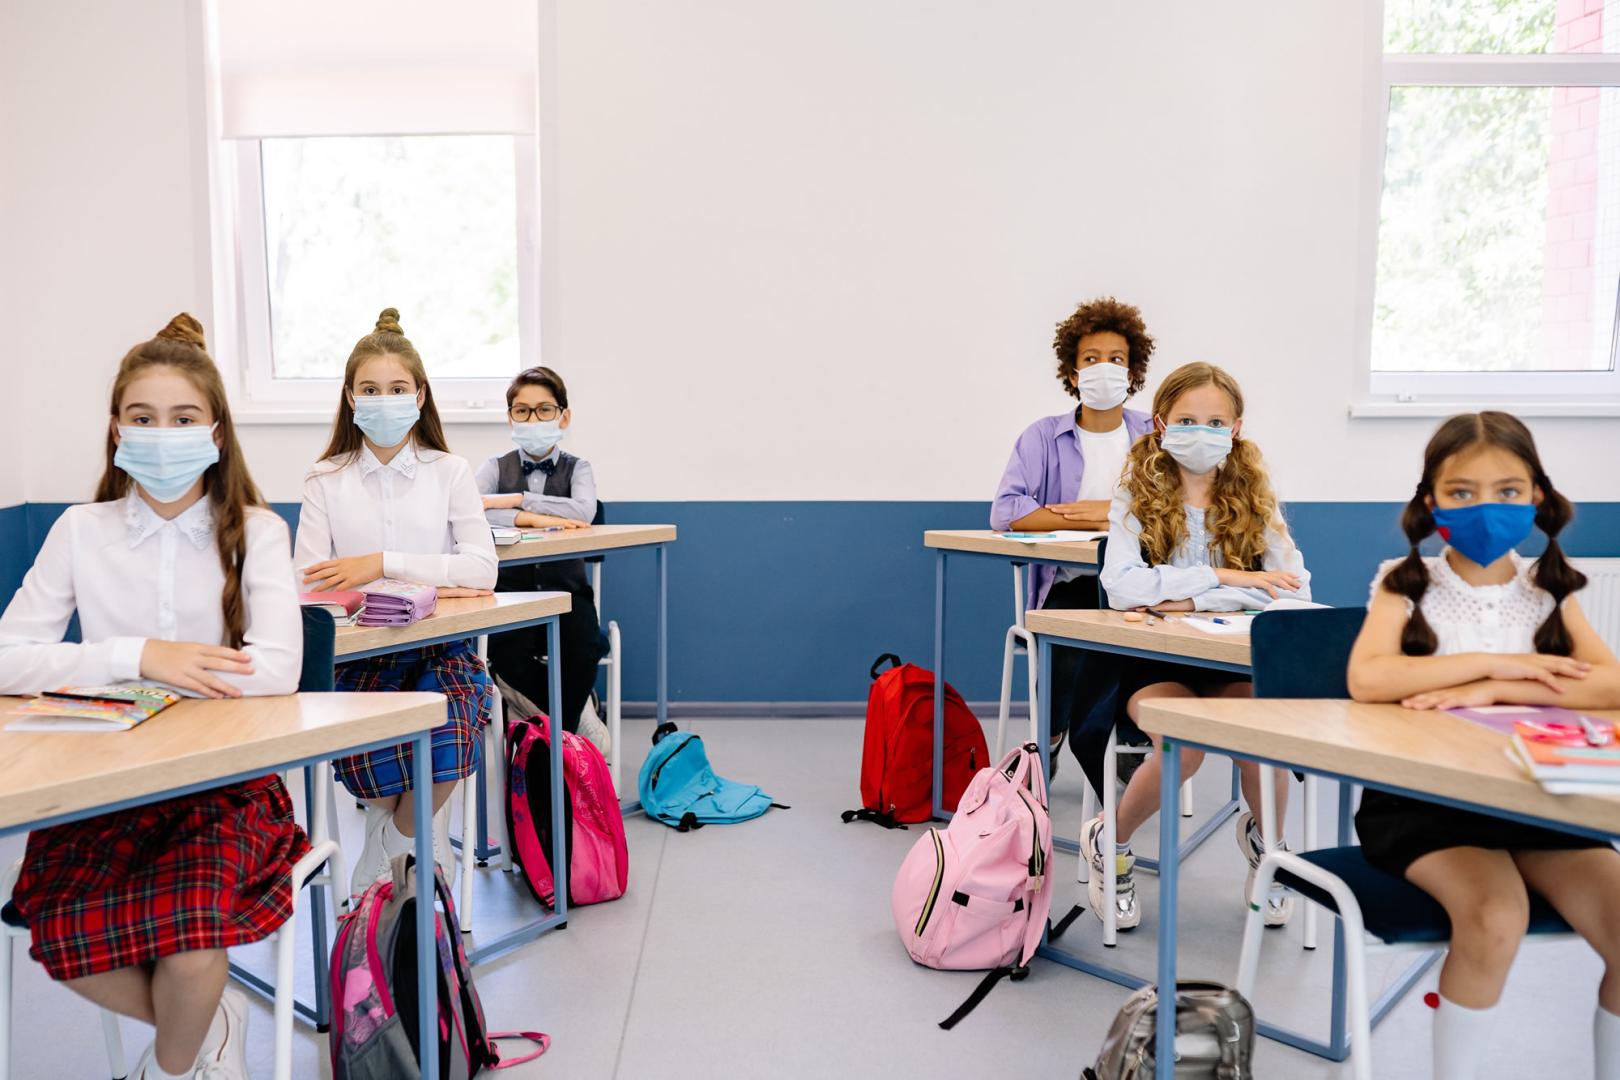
679 787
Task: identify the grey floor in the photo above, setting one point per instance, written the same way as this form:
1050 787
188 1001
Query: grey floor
767 950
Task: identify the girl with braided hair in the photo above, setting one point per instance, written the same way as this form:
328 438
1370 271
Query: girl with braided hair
1479 625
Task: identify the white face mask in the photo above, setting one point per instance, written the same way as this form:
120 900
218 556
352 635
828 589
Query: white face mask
537 437
1103 386
1198 449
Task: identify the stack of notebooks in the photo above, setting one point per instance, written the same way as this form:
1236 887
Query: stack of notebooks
344 607
1563 751
92 708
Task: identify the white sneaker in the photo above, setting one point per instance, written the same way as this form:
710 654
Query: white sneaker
1127 915
144 1065
373 862
592 728
226 1058
1279 904
443 853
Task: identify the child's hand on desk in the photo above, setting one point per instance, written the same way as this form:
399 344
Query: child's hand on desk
528 519
1086 514
191 665
1474 695
503 502
1269 581
335 575
1535 666
452 591
1171 605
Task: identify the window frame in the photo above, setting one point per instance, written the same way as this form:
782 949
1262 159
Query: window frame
1427 393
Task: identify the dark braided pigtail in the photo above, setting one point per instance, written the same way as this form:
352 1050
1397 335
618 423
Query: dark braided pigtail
1410 577
1553 572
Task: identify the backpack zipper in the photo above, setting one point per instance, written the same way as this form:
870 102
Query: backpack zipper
659 771
1037 859
939 876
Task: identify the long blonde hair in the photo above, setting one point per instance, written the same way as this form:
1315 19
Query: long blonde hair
227 484
1241 506
386 340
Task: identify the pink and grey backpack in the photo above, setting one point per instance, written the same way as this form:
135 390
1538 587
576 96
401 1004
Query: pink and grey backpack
598 861
976 894
374 1002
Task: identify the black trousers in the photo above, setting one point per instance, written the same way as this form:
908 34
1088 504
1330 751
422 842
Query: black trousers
1085 687
519 657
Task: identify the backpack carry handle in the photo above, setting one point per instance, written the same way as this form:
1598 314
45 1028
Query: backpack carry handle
666 728
894 662
539 1038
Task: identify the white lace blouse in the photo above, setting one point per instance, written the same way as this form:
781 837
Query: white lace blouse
1479 618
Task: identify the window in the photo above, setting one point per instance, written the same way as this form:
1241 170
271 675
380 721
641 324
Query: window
1497 270
392 164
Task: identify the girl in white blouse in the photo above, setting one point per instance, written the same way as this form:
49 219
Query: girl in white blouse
1194 526
388 499
1474 626
180 575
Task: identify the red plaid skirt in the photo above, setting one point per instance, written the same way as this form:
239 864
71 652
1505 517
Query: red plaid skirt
204 871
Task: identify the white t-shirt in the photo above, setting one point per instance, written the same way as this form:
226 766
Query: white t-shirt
1104 454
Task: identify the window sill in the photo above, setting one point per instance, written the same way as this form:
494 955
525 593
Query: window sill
267 416
1407 410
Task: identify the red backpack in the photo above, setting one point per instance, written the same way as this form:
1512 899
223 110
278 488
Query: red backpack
897 761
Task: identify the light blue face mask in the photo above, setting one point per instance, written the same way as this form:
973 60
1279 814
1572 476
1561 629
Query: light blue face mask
165 461
537 437
386 419
1198 448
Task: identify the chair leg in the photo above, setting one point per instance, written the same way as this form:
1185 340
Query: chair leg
114 1038
469 829
1110 912
1186 799
615 703
1030 653
1310 845
323 818
5 1004
1008 649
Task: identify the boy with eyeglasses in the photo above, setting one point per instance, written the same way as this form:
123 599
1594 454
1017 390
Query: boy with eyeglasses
539 486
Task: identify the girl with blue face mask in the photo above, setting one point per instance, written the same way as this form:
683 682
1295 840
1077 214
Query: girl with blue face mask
1480 625
388 499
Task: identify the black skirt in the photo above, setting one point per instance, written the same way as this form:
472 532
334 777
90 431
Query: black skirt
1396 831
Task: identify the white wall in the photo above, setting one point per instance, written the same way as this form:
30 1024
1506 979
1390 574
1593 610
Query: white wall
806 250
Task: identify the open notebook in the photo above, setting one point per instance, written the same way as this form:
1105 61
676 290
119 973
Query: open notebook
92 708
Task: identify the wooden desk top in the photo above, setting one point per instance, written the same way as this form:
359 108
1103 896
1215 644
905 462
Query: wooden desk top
463 616
1167 636
589 541
986 542
1421 751
44 774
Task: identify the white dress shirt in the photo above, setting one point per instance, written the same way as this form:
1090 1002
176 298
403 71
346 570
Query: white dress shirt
132 577
579 504
421 510
1190 573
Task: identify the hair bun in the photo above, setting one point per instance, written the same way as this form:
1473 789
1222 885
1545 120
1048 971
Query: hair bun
388 322
184 328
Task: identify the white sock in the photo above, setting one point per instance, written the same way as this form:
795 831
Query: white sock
1606 1043
154 1071
1460 1035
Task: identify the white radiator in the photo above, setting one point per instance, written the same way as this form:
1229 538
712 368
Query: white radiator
1600 600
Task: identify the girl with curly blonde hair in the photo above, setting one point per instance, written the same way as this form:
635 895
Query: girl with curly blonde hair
1193 527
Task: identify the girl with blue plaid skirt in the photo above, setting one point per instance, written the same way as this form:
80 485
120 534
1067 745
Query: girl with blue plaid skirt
388 499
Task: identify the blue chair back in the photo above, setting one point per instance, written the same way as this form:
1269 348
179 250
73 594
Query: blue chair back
1303 653
1102 594
600 518
320 642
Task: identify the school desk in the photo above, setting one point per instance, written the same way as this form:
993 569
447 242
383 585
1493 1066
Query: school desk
51 778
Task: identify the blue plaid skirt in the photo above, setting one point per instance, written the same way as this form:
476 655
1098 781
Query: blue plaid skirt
453 670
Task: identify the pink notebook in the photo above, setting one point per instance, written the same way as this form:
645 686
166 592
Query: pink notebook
391 602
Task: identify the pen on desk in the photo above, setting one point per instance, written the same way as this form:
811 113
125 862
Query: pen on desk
1217 619
1595 736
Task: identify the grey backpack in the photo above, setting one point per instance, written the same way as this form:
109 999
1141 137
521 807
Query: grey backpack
1214 1036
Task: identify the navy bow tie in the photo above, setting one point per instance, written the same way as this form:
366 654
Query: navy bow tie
547 466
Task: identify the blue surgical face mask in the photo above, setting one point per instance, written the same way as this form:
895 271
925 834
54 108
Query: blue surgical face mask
537 437
165 461
1485 532
386 419
1197 448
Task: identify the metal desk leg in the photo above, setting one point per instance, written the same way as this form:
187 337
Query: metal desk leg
1164 1054
939 686
663 634
427 956
1043 711
317 919
485 849
559 838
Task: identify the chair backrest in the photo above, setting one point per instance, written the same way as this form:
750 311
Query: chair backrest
1303 653
1102 593
320 642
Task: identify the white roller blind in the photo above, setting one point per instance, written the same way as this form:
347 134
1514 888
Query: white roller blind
369 67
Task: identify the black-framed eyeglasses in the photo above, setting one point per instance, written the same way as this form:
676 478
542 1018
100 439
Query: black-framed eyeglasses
522 414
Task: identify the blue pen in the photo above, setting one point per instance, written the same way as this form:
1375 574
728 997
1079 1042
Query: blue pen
1223 622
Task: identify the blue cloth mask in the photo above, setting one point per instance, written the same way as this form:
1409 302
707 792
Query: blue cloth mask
165 461
1197 448
1486 531
386 419
537 437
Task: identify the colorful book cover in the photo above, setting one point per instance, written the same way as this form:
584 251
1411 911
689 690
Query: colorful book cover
92 708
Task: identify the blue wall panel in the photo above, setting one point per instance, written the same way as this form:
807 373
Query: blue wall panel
791 601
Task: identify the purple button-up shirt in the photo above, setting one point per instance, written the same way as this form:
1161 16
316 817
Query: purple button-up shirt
1045 468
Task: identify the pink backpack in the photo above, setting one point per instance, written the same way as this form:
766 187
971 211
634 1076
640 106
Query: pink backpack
598 860
975 894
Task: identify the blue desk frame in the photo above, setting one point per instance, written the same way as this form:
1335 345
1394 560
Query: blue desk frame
1172 850
426 985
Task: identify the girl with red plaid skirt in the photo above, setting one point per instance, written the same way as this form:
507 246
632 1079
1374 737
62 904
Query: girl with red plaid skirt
388 499
180 575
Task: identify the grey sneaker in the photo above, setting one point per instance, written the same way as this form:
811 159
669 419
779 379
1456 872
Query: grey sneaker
1279 904
373 861
1127 915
